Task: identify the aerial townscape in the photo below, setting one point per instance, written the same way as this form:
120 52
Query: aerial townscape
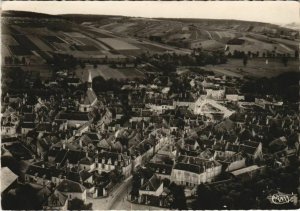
112 112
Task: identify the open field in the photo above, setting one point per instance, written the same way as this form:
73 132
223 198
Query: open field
19 51
51 38
109 73
262 46
26 43
39 43
7 39
5 51
117 44
257 67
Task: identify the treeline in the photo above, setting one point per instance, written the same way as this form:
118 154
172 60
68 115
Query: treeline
285 86
168 62
268 54
102 85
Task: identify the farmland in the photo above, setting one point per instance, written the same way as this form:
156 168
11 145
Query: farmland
129 37
257 67
19 51
117 44
255 45
6 38
109 73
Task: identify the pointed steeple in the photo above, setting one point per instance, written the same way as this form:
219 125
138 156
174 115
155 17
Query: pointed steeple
90 79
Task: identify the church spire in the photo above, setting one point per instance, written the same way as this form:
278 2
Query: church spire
90 79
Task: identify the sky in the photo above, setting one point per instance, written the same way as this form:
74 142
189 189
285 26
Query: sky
278 12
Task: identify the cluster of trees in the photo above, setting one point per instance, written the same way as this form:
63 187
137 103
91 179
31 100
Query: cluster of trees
178 195
102 85
63 61
168 62
268 54
27 197
17 76
249 194
285 86
78 204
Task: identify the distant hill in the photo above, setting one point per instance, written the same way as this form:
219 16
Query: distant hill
210 23
294 25
21 14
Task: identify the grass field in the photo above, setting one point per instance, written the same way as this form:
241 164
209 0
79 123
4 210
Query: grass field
109 73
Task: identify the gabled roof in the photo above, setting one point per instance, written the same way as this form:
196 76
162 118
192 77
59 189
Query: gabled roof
56 199
80 116
68 186
7 178
86 161
72 156
152 185
248 149
251 143
90 97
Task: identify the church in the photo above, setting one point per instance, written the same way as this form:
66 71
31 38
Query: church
90 98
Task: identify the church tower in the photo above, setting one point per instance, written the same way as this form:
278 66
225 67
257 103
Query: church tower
90 81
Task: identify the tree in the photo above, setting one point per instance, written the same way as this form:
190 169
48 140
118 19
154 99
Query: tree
245 60
178 194
296 54
284 60
205 199
78 204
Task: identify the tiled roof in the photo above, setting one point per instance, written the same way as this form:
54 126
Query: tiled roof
80 116
248 149
28 125
56 199
152 185
194 164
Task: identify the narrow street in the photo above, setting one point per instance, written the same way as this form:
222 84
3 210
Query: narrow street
117 195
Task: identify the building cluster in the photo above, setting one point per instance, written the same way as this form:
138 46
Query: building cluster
189 136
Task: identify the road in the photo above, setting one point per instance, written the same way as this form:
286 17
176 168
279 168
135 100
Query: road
114 198
117 200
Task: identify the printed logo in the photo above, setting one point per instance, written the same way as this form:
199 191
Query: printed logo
282 198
